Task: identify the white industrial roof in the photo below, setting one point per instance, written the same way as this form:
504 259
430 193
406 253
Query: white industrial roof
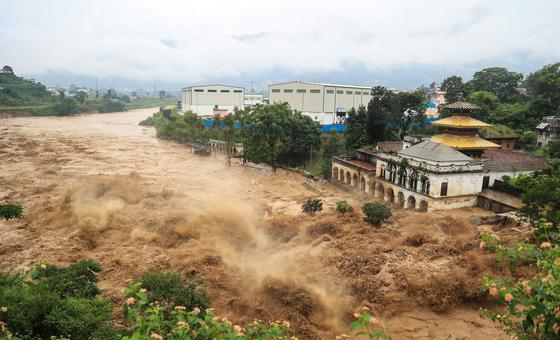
324 84
207 85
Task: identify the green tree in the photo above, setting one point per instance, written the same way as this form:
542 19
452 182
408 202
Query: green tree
543 88
499 81
412 106
227 131
333 147
527 140
81 97
455 89
515 115
275 135
355 133
381 111
375 213
487 101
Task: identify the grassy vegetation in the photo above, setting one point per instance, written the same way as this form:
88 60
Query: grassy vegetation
17 93
147 102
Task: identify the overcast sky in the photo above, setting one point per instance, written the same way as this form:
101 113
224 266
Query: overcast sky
397 43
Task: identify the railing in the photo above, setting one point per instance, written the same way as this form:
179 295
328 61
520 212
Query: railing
451 168
396 183
345 161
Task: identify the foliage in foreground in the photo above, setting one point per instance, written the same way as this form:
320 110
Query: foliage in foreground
312 206
532 305
11 211
375 213
63 303
48 301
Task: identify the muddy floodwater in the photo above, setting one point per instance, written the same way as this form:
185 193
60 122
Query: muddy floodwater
100 186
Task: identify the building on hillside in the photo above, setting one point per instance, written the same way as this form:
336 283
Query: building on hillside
446 171
548 130
502 135
432 110
251 100
7 70
325 103
207 100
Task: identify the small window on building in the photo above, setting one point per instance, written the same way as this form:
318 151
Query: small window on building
275 90
348 92
211 90
198 90
357 92
288 90
443 191
339 92
301 91
237 91
225 91
314 91
367 93
330 91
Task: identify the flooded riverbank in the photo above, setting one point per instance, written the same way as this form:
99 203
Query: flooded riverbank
100 186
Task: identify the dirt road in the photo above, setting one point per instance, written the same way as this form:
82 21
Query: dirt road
100 186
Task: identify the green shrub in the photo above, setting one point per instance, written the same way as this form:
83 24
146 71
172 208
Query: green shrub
54 302
375 213
106 332
11 211
532 304
77 317
173 290
78 280
152 320
343 207
312 206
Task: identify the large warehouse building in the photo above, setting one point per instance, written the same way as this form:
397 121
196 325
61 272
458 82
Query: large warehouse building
208 100
325 103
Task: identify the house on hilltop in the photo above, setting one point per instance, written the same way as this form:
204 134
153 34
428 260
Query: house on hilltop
7 70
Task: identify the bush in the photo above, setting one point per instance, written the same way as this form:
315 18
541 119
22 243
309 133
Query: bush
65 107
172 290
10 211
532 304
375 213
54 302
78 280
152 321
312 206
343 207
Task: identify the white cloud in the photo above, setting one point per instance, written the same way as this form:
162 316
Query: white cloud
189 41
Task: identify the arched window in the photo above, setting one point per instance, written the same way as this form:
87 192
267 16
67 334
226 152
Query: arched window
425 184
413 180
402 176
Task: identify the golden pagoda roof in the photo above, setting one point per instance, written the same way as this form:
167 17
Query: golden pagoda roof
465 122
464 142
462 106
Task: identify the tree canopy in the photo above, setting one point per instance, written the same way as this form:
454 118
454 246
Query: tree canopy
276 135
497 80
455 89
